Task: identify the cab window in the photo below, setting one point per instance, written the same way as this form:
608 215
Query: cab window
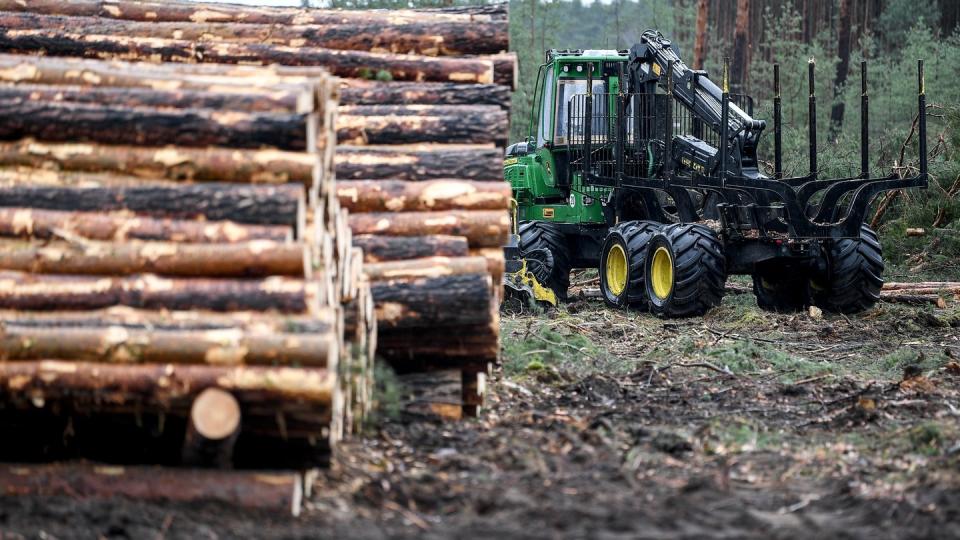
567 88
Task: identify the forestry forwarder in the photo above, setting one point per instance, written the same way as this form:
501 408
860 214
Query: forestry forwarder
622 172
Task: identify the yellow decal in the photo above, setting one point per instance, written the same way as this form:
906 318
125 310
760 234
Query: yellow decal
548 212
511 161
656 69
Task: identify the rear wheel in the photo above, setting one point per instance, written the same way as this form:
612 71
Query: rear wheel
781 288
685 270
854 274
544 235
622 263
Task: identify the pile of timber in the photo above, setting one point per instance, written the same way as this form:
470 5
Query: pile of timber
173 273
425 95
921 292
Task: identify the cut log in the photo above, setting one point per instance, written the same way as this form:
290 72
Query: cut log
252 100
405 124
427 162
434 195
63 122
233 79
428 267
496 262
362 92
135 10
456 300
356 64
506 69
253 490
262 205
124 345
894 285
482 228
425 37
167 163
259 258
325 321
378 248
212 429
436 395
61 292
461 347
49 224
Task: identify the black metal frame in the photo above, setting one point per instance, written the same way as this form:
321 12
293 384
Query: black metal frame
614 160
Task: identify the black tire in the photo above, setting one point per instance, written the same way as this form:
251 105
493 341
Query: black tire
781 288
699 271
854 274
545 235
632 237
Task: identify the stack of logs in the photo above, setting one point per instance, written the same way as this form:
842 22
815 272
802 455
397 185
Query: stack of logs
425 96
172 277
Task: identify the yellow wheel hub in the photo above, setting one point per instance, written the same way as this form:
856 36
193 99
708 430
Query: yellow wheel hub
617 269
661 273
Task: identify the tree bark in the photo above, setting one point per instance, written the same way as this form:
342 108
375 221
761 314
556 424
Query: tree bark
457 300
406 349
423 162
134 10
738 71
259 258
212 429
361 92
253 490
74 122
124 345
252 100
843 67
427 267
60 292
700 45
167 162
436 395
404 124
431 38
482 228
436 195
355 64
50 224
377 248
261 205
505 69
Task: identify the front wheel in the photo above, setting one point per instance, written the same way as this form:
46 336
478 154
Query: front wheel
685 271
536 235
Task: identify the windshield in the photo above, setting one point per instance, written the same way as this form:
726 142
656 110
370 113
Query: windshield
566 90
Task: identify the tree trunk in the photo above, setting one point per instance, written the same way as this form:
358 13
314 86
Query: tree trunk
482 228
167 163
252 100
125 345
423 162
404 124
505 70
50 224
135 10
431 38
212 429
843 67
457 300
259 258
252 490
434 195
262 205
378 248
496 263
73 122
59 292
700 45
427 267
437 395
738 71
356 64
360 92
406 349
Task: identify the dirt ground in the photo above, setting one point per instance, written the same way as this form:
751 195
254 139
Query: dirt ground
609 424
